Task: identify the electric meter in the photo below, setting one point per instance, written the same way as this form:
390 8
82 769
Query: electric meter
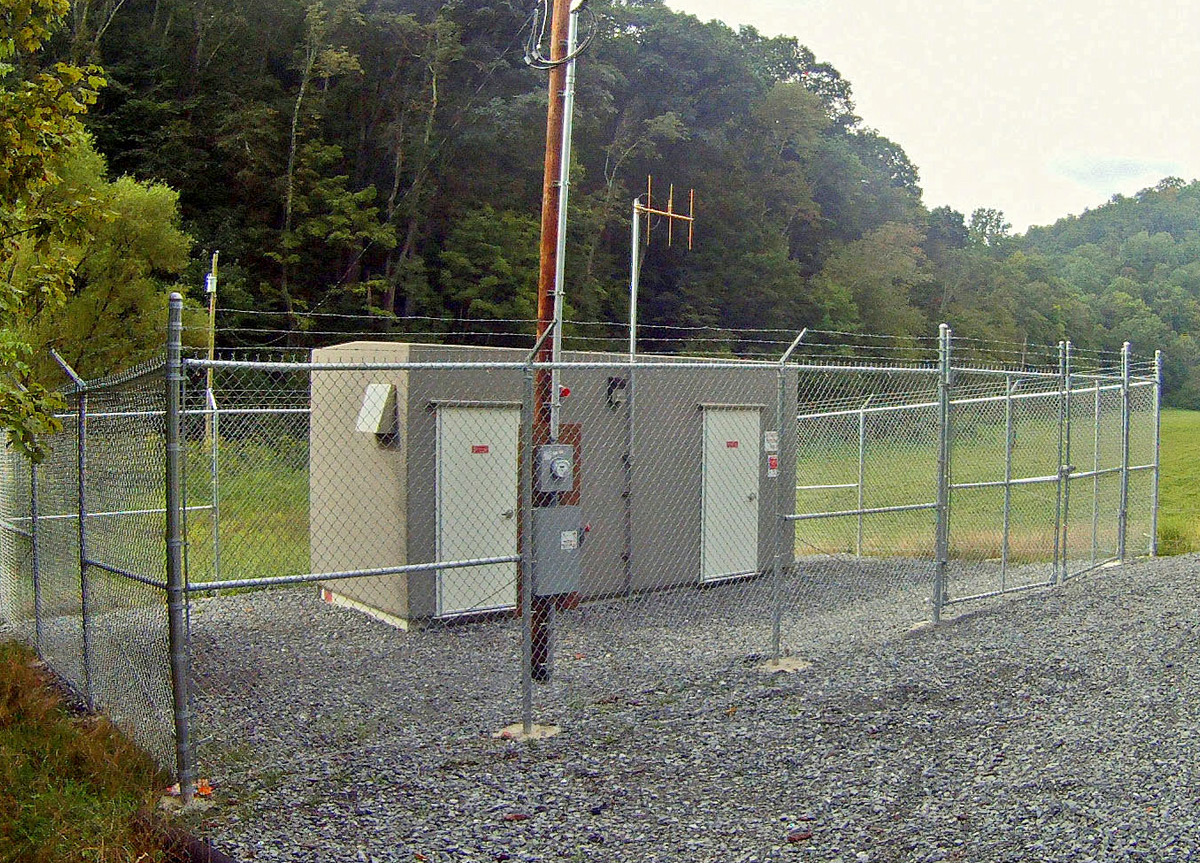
556 468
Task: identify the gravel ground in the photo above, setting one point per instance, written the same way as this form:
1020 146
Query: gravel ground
1059 725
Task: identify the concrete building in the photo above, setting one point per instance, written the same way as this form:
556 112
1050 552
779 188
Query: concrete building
421 464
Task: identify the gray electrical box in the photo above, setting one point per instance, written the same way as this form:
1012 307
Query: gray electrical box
557 552
556 468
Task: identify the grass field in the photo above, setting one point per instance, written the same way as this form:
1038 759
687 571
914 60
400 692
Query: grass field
1179 488
899 468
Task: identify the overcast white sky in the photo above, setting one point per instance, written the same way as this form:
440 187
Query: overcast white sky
1039 108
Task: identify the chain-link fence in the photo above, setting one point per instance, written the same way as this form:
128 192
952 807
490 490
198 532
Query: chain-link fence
82 548
446 540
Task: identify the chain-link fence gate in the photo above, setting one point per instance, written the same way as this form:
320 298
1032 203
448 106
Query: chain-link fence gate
433 532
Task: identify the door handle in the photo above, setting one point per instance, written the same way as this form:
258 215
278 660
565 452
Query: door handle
753 497
509 513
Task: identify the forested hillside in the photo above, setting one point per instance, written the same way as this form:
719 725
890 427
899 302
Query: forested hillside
381 160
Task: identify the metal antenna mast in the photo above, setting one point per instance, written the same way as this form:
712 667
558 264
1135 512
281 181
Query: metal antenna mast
635 267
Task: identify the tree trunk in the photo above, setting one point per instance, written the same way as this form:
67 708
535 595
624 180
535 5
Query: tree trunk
289 187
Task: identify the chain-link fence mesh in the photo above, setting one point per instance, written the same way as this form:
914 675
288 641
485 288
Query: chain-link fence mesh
427 542
57 528
90 599
19 597
245 443
1003 483
863 530
1143 459
125 465
1093 455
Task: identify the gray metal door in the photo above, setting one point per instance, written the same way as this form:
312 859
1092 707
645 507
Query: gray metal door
729 512
476 507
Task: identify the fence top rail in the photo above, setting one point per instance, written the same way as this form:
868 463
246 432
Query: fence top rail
1101 373
469 366
820 366
1134 380
682 363
873 367
1001 372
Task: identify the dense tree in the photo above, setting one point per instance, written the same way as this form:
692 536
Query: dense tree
884 273
125 248
1133 261
382 160
947 231
40 105
988 227
489 267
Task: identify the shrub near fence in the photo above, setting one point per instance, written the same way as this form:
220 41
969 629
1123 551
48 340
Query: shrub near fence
881 488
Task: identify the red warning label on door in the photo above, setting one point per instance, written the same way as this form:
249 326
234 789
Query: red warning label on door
480 449
772 465
731 444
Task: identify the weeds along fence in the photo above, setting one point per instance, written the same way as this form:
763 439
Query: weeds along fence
236 557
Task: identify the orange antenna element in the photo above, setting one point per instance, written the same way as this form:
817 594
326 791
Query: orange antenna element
691 219
647 209
669 213
671 221
649 190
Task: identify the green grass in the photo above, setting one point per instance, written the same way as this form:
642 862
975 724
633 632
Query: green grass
901 470
71 788
263 522
1179 487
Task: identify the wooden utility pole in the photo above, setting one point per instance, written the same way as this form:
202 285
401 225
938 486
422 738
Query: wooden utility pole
555 121
543 386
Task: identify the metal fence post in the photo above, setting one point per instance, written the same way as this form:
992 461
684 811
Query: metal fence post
81 525
1058 488
84 586
35 563
176 590
631 393
1155 475
214 480
862 465
526 483
780 510
1096 474
530 404
943 473
1123 509
1010 387
1065 466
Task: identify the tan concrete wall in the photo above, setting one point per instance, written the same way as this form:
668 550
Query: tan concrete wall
357 482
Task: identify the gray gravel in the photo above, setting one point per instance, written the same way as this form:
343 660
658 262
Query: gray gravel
1059 725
